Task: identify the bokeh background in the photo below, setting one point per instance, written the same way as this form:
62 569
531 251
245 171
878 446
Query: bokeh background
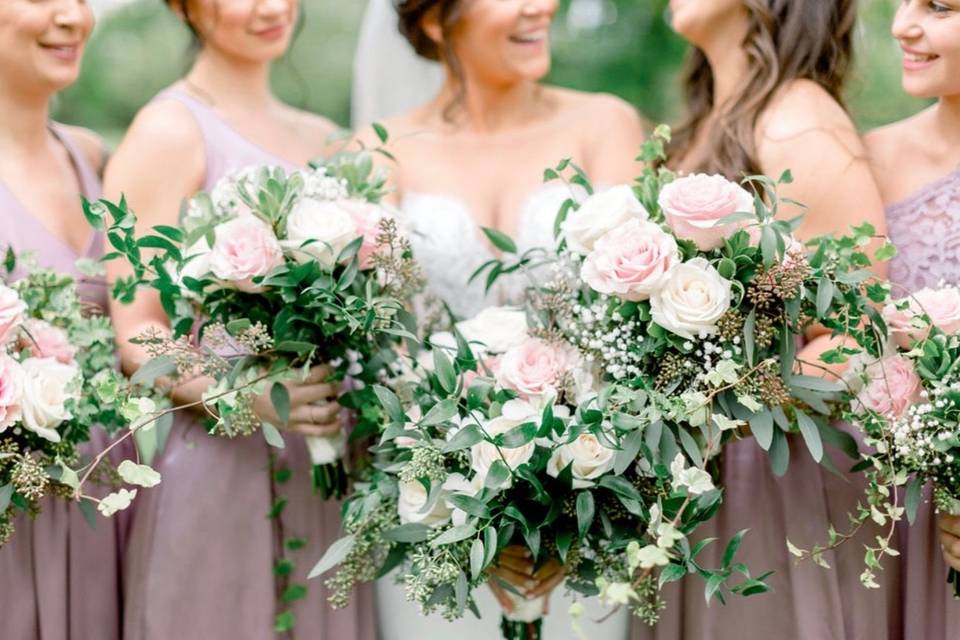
623 47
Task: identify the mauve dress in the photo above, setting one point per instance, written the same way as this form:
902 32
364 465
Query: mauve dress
60 578
926 231
201 554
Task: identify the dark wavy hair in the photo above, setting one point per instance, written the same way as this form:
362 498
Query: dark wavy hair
786 40
410 14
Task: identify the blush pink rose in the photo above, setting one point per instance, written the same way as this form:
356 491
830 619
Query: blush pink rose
631 262
11 392
367 217
244 248
12 309
695 205
47 341
892 387
535 369
942 306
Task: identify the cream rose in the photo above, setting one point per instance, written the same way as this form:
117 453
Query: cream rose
326 450
244 248
693 299
11 391
413 499
495 329
329 225
631 262
48 386
598 215
484 454
12 310
588 457
695 205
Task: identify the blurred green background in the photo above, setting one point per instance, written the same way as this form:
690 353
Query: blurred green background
623 47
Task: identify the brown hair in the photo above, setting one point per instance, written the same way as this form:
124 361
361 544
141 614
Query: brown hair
411 14
786 40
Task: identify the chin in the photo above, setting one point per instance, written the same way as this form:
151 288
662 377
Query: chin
927 89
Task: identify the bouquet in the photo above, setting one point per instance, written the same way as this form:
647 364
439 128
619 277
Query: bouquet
583 426
275 271
57 380
906 400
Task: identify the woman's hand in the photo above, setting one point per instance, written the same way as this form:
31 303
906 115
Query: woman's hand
515 567
950 540
314 410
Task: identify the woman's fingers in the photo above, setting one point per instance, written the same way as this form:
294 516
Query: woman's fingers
515 551
501 595
314 430
520 565
312 393
516 578
318 374
950 524
546 586
321 414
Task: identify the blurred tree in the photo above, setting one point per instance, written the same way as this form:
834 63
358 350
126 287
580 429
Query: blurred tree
625 47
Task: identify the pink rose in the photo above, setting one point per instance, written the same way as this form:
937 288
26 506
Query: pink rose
47 341
695 205
942 306
12 309
366 217
11 391
244 249
534 369
892 387
631 262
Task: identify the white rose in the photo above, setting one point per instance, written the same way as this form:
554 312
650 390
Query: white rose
525 609
413 498
326 450
484 454
693 299
590 459
327 224
199 257
47 386
600 213
495 329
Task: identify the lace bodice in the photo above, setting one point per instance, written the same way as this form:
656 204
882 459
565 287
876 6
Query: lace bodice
926 230
450 246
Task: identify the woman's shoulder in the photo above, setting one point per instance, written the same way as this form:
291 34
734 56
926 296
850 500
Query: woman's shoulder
313 126
89 143
604 109
899 139
804 106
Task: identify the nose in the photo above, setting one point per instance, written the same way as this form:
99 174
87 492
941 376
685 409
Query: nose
70 14
540 7
275 7
906 23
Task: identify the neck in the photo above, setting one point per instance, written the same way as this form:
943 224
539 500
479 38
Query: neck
948 122
728 63
227 81
25 116
488 107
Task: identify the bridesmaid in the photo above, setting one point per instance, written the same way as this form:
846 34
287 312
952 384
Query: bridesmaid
764 95
473 156
917 162
202 550
59 577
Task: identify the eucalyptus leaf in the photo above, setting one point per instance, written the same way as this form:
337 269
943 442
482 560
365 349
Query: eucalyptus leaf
335 554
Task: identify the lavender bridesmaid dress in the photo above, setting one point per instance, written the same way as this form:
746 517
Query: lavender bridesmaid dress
60 578
926 230
202 548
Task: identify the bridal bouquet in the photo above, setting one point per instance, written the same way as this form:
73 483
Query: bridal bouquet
503 434
57 381
906 400
272 272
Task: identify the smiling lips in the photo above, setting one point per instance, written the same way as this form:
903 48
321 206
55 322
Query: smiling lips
272 33
65 52
531 37
916 60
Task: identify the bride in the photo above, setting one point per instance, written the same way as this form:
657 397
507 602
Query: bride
473 156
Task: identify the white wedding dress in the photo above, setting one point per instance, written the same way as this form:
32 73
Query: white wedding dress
449 246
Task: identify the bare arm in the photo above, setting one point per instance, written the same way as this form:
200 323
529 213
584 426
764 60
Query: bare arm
616 133
807 132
